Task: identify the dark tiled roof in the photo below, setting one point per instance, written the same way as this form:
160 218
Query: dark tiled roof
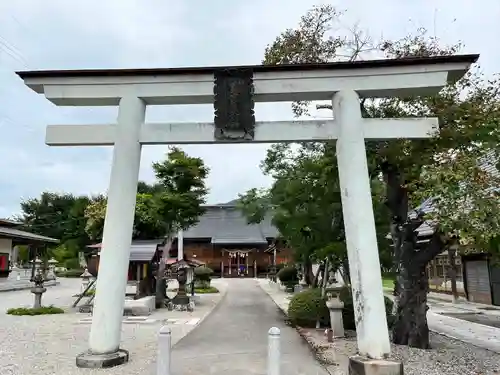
226 224
22 235
140 250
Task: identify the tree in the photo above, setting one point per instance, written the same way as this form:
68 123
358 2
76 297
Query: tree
445 167
59 216
146 223
304 202
179 204
175 201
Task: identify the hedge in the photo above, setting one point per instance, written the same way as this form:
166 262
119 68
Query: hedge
308 306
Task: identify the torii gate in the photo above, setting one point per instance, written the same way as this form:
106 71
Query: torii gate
236 88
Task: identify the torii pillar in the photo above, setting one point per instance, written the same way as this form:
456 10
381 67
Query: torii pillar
343 83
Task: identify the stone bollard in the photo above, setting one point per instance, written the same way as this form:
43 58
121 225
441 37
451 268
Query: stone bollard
164 351
273 351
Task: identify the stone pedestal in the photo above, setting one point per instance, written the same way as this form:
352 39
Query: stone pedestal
93 360
38 292
364 366
337 323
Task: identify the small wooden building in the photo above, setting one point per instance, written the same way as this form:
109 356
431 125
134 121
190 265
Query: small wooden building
143 255
10 237
481 278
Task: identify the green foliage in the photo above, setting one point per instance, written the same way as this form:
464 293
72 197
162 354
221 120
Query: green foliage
59 216
44 310
207 290
72 264
303 202
203 273
73 273
308 307
288 275
173 202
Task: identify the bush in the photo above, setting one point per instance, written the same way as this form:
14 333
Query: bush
70 273
307 307
202 276
288 275
208 290
44 310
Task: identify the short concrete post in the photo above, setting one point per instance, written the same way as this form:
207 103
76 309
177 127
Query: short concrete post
164 348
273 351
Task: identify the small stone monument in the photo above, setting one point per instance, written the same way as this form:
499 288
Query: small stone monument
86 275
335 305
51 274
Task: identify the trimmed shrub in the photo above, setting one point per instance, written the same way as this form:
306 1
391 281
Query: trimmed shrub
307 307
202 276
44 310
70 273
288 275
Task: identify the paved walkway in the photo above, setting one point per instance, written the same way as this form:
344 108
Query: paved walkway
233 338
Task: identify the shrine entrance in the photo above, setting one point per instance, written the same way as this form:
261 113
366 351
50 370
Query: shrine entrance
233 92
240 263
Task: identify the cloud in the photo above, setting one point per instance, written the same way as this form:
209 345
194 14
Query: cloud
61 34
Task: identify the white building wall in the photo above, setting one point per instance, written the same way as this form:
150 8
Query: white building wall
6 246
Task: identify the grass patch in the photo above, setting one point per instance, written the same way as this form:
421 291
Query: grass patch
88 293
44 310
388 283
209 290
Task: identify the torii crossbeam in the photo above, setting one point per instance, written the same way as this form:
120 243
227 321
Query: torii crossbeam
235 91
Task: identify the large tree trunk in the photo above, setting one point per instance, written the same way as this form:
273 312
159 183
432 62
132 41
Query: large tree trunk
308 272
411 287
160 276
452 271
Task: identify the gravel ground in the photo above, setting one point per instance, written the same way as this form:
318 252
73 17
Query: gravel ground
48 345
447 356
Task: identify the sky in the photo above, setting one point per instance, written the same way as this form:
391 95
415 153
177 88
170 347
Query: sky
80 34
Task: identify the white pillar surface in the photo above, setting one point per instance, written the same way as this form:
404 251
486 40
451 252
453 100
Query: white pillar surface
180 244
107 317
361 240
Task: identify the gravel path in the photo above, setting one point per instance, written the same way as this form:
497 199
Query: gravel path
447 356
48 345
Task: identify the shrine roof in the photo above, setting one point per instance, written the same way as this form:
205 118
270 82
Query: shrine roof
361 64
7 231
225 224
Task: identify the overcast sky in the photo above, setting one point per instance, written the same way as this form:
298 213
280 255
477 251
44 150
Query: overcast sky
79 34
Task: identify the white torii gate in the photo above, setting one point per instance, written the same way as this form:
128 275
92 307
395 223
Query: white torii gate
343 83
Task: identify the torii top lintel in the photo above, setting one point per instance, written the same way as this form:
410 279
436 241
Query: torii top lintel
194 85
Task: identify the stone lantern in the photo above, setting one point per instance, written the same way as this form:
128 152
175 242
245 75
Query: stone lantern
86 275
335 305
38 279
185 273
51 275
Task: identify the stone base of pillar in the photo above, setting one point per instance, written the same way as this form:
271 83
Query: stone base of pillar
91 360
364 366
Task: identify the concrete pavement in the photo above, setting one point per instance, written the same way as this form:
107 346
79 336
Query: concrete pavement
233 338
